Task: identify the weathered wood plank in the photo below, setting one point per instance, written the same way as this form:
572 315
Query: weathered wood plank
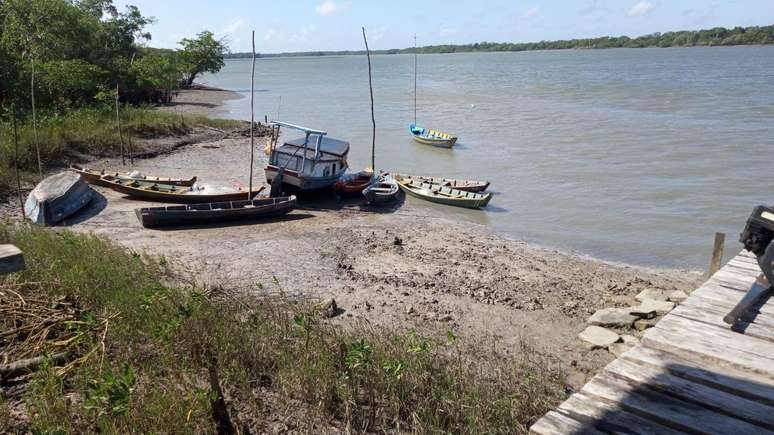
11 259
678 335
665 410
699 394
555 423
719 376
706 306
727 297
609 417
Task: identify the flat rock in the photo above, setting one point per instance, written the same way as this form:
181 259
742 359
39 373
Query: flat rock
619 349
654 294
650 308
678 296
630 339
598 337
643 324
615 317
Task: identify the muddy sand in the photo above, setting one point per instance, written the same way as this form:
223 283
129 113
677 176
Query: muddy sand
409 266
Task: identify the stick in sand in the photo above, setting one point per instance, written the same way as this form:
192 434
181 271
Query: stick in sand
118 125
252 121
16 161
373 120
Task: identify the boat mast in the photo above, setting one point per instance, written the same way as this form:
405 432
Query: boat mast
252 121
415 79
373 120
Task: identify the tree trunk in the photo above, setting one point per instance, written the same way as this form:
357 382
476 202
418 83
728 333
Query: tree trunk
34 117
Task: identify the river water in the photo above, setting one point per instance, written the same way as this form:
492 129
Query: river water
631 155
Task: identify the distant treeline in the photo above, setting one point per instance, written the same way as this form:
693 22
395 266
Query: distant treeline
696 38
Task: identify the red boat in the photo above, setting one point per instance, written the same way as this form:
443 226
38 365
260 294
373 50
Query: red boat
353 184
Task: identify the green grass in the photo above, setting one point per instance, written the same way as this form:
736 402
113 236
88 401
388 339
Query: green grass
274 358
88 131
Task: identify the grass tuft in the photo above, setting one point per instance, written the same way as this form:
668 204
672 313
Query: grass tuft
154 358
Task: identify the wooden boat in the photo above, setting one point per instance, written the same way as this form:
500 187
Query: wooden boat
92 176
215 212
353 184
432 137
313 162
56 198
443 195
382 191
150 191
466 185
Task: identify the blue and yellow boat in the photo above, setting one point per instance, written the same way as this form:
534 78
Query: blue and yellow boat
432 137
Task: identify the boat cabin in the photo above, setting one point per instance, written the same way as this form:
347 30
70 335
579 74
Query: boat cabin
314 161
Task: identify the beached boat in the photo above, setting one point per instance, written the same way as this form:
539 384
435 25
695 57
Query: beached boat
313 162
150 191
92 176
432 137
382 191
215 212
56 198
353 184
459 184
443 195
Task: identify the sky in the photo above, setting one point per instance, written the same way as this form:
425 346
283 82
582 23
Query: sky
308 25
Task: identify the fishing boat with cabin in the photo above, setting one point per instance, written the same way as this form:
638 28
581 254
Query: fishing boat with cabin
312 162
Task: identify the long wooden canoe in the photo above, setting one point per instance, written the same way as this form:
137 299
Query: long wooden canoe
459 184
215 212
92 176
443 195
150 191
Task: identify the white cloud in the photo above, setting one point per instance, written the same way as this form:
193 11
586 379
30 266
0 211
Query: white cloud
235 26
642 8
531 12
379 33
330 7
302 34
269 35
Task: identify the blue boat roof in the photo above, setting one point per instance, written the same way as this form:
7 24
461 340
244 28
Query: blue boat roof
328 145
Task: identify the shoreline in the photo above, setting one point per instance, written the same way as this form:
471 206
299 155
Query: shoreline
400 268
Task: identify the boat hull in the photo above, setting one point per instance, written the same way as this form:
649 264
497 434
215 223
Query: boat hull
215 213
299 182
464 185
353 184
444 195
381 192
440 143
173 194
57 197
95 177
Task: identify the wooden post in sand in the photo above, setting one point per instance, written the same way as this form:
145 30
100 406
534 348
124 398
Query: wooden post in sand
118 125
717 254
16 161
373 120
252 121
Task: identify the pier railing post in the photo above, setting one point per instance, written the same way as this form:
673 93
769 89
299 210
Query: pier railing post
717 253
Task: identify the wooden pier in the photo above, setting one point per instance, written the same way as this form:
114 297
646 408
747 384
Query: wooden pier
691 373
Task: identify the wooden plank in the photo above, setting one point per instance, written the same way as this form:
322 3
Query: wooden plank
727 297
555 423
720 309
676 414
699 394
609 417
721 377
678 335
11 259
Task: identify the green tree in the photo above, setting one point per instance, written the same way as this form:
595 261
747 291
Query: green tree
203 54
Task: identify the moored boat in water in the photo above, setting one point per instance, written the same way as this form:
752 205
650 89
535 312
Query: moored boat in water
313 162
215 212
443 195
459 184
178 194
385 189
432 137
57 197
92 176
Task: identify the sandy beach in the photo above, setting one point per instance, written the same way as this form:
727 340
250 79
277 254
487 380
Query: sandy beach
408 266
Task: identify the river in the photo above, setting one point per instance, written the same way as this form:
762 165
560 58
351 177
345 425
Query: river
630 155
